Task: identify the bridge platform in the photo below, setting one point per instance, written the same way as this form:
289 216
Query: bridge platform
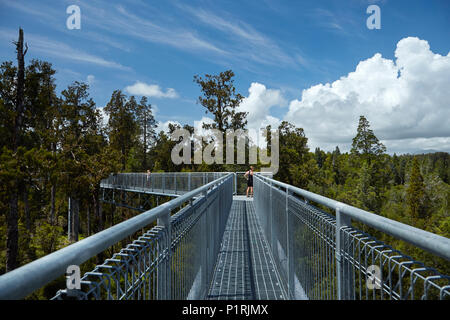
245 269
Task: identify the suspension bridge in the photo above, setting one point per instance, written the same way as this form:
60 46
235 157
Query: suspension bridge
211 242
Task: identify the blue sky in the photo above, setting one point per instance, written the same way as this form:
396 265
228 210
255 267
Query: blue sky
284 53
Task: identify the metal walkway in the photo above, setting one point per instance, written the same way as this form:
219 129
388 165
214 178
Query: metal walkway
209 244
245 269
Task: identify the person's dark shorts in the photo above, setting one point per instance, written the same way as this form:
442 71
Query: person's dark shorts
250 183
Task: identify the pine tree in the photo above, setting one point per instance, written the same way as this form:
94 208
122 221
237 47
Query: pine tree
147 125
365 142
122 124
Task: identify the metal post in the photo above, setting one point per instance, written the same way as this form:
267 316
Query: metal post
235 183
344 278
289 246
204 250
189 182
175 182
164 282
272 221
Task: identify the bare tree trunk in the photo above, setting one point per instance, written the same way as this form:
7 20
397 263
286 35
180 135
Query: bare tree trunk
88 219
98 218
20 91
145 143
113 211
69 219
27 209
76 219
74 211
52 191
97 212
12 233
52 204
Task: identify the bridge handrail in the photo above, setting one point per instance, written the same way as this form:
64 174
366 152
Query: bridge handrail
428 241
25 280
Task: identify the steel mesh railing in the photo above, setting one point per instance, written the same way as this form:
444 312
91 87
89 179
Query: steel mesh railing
165 183
156 267
317 262
173 260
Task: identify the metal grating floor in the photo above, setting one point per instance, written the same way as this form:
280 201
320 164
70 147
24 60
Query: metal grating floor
244 269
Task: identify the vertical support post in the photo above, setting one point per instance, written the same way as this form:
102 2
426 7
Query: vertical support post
273 242
290 247
204 249
175 182
69 220
164 182
164 276
189 181
235 183
343 276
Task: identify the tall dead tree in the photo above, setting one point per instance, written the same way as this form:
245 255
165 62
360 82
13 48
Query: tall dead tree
12 232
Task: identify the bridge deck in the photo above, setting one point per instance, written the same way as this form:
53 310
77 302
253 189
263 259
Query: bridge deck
245 269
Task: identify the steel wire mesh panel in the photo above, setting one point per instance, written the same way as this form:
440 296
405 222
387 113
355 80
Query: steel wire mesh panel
164 182
303 243
156 267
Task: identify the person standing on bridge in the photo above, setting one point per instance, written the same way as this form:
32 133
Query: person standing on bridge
249 176
148 176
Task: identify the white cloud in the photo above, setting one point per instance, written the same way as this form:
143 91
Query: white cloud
403 99
246 42
198 126
151 90
90 79
258 104
105 117
164 126
61 50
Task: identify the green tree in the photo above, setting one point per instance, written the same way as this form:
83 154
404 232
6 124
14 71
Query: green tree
219 97
365 142
293 167
415 193
122 124
147 124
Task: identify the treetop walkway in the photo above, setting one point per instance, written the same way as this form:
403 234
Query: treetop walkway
211 243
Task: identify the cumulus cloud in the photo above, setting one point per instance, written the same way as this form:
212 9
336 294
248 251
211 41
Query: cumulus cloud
151 90
405 98
258 104
164 126
198 125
